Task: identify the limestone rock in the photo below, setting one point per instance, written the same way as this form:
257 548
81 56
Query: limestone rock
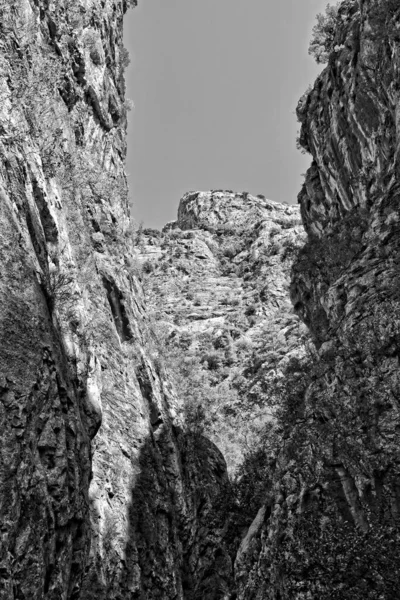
216 284
129 515
331 524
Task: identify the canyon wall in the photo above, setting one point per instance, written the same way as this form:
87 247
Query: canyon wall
109 487
103 492
216 287
330 529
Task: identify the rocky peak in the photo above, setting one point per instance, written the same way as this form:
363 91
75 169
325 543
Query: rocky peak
218 208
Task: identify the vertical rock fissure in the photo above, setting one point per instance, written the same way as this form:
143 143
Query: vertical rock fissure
116 301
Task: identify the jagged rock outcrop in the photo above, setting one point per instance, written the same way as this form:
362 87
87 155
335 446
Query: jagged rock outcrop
105 492
146 498
216 285
330 529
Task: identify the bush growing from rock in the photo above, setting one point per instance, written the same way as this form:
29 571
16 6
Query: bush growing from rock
250 310
244 343
273 248
323 34
147 267
230 251
213 360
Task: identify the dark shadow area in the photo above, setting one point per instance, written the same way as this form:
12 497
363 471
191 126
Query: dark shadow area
116 300
181 531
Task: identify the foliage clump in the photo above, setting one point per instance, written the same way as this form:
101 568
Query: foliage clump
323 34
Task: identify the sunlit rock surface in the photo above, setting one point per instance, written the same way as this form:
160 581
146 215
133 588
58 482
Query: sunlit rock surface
105 491
135 513
216 285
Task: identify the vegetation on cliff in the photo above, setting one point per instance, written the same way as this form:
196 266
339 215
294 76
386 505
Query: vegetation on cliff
310 430
217 293
330 528
323 34
130 513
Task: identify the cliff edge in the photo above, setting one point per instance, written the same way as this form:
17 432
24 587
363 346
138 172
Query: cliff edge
331 527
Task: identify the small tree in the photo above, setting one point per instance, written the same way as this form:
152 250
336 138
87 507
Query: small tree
323 34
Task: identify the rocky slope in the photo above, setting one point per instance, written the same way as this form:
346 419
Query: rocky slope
331 526
216 285
139 512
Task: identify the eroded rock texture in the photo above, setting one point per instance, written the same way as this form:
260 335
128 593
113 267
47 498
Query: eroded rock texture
74 354
141 511
216 286
331 527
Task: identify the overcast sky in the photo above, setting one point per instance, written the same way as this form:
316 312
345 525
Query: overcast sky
215 84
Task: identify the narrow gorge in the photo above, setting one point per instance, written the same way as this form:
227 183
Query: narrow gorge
210 411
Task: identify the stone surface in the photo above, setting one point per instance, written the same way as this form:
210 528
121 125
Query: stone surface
109 488
331 525
75 357
216 286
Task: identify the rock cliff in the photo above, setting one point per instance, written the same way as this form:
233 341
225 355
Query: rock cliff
137 512
216 286
109 487
330 528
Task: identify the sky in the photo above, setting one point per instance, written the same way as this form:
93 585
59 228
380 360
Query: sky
215 85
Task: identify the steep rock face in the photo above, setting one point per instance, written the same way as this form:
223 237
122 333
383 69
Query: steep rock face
331 527
216 285
74 355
